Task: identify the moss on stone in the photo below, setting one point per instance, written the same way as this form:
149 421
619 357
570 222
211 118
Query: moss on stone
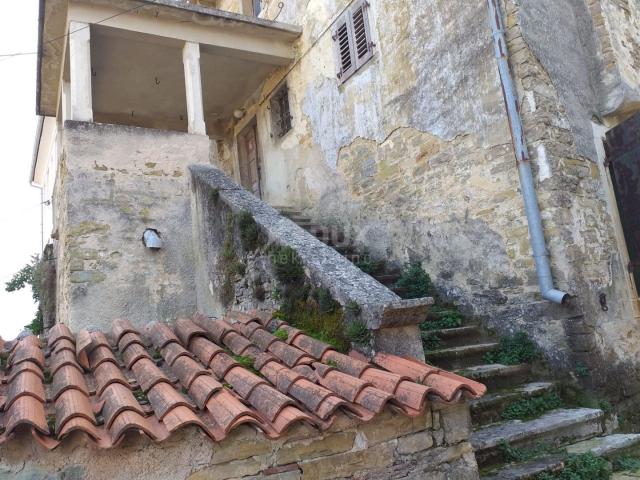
287 265
249 232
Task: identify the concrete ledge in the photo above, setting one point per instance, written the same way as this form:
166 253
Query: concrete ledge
381 308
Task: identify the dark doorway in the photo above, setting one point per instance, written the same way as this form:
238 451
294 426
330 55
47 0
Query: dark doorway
623 160
249 159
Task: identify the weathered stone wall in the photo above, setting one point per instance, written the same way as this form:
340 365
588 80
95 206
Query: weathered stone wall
413 157
433 445
114 182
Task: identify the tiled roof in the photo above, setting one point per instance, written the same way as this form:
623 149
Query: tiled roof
193 373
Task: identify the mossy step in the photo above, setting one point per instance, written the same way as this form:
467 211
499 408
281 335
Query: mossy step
558 427
610 447
387 278
497 376
488 409
461 356
628 475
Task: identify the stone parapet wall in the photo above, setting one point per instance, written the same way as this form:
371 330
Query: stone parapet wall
217 203
433 445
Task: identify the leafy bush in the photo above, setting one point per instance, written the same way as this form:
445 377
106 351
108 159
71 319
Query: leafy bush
529 408
513 350
358 333
368 265
287 265
431 341
626 463
33 275
442 317
586 466
415 282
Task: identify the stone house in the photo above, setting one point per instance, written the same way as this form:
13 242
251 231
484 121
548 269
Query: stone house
511 180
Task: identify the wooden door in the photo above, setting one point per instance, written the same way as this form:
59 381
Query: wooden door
623 158
249 159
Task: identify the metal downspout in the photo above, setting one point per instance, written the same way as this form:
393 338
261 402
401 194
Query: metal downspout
540 252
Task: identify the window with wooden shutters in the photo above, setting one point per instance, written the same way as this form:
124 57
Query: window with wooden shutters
352 39
280 112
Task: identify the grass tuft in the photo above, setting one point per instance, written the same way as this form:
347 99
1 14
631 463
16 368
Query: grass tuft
513 351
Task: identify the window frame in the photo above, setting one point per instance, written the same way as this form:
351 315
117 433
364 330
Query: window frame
280 126
346 26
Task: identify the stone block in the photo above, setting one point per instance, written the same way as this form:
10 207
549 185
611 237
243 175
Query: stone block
348 464
456 422
242 443
415 443
226 471
316 447
388 426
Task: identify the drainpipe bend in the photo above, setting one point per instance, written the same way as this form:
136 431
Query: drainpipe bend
534 220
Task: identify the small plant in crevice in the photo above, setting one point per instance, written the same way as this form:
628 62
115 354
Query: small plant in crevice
368 265
529 408
581 370
441 317
214 195
513 350
586 466
331 363
286 264
51 422
246 362
521 454
326 303
156 355
352 308
431 341
141 397
48 378
414 281
249 232
229 263
357 332
281 334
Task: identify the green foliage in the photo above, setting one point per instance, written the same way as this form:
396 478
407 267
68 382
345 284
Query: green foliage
358 333
32 275
605 406
326 303
141 397
4 356
586 466
306 315
415 281
368 265
332 363
581 370
246 362
528 408
353 308
249 232
51 422
442 317
215 195
281 334
156 355
48 378
431 341
229 263
519 455
286 264
513 350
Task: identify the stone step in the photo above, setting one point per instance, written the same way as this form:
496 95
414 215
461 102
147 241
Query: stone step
460 357
288 210
610 447
488 409
387 278
557 428
496 376
456 337
628 475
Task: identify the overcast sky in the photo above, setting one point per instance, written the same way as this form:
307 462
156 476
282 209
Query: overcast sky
19 201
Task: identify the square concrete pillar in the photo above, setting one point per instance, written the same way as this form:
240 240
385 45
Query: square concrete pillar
193 87
80 71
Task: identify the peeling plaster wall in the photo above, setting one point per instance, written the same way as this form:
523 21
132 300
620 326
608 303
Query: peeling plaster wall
115 182
413 157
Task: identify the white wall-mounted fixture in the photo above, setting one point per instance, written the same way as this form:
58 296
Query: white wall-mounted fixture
151 239
239 113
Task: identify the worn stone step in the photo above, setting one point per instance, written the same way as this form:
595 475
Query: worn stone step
497 376
387 278
460 357
610 447
456 337
488 409
628 475
557 428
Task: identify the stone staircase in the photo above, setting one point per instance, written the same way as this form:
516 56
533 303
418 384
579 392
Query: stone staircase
462 349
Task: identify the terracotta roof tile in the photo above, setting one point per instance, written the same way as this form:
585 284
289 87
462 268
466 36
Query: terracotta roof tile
107 387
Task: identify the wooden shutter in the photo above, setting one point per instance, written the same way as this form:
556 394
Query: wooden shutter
362 44
344 48
352 39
